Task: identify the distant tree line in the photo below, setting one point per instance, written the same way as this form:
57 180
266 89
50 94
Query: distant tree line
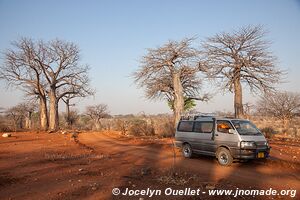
25 116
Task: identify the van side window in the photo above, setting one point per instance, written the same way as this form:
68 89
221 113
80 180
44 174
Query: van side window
203 127
223 126
186 126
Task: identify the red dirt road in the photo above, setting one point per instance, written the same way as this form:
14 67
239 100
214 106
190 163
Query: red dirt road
55 166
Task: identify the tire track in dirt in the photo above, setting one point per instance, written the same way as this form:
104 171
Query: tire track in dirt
257 173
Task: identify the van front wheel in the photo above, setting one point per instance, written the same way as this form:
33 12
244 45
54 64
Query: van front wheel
224 157
187 151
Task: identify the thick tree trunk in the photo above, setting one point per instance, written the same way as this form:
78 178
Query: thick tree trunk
285 122
53 110
28 120
20 123
238 99
43 113
67 102
98 126
178 98
16 125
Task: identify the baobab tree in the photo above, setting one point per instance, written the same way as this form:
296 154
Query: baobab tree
16 115
63 73
21 115
96 113
27 108
50 70
241 58
171 72
283 105
20 70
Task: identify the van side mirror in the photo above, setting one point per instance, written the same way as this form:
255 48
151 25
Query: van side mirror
231 131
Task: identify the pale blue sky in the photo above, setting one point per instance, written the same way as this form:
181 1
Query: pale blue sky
113 35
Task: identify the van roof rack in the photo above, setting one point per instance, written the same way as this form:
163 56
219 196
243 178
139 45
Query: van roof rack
196 116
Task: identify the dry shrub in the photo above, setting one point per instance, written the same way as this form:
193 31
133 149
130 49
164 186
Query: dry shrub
106 124
268 132
121 125
6 124
267 122
165 128
5 128
84 123
161 126
293 132
139 127
176 178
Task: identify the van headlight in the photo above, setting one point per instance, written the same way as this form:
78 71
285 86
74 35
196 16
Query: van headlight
267 144
245 144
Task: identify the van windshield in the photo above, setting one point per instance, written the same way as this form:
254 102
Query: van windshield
245 127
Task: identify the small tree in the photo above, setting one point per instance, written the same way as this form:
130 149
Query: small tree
15 115
171 72
29 109
66 99
96 113
282 105
69 115
242 56
21 115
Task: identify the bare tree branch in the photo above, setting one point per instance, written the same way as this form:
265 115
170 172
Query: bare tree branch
97 112
171 72
282 105
21 70
241 57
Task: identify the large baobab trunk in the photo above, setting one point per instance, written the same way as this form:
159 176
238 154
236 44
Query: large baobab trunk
97 125
43 114
238 99
53 110
178 98
28 120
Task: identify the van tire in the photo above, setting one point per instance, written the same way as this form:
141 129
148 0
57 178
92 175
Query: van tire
224 157
187 151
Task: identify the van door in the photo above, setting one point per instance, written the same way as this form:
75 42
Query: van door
204 130
185 133
223 137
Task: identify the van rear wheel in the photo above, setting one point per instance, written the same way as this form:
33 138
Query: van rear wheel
187 151
224 157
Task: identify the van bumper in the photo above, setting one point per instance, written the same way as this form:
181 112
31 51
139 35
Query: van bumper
249 153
